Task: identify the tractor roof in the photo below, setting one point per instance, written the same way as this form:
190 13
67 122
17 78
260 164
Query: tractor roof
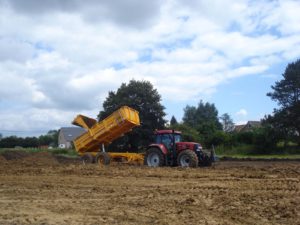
166 132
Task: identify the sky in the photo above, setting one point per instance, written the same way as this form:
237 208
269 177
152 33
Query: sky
60 58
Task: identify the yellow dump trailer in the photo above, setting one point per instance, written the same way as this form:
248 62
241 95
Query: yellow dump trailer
104 132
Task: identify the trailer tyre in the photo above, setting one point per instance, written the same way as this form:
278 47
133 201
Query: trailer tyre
102 158
87 158
154 157
187 158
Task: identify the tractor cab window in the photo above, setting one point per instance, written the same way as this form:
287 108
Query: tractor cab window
157 139
166 139
177 138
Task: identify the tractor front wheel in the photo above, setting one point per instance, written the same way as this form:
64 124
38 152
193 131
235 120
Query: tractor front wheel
154 157
187 158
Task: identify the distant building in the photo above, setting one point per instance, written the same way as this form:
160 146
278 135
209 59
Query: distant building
66 136
250 125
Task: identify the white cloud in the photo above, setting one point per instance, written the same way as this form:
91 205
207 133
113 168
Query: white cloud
242 112
128 12
47 61
284 16
9 47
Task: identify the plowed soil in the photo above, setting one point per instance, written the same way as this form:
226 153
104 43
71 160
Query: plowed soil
43 189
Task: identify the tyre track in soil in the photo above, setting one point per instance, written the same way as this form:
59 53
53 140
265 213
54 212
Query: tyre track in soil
39 189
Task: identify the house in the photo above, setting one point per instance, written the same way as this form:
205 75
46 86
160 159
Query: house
250 125
66 136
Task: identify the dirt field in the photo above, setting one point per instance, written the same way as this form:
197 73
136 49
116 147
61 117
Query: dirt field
42 189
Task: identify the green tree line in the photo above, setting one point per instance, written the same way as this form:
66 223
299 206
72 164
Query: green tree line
50 139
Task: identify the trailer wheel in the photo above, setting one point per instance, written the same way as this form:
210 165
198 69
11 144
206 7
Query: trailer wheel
87 158
187 158
154 157
102 158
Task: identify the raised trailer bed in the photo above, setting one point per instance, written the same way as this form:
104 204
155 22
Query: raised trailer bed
90 144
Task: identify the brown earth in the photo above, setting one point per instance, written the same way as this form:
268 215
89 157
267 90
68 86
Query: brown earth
43 189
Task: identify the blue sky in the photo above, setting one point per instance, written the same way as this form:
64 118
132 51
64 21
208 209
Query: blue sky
60 58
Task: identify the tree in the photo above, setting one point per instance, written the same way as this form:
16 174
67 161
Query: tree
54 135
173 121
205 115
29 142
221 138
141 96
45 140
264 139
11 142
51 138
277 123
189 134
190 116
227 123
204 119
286 93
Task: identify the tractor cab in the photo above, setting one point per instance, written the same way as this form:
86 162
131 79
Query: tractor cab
168 138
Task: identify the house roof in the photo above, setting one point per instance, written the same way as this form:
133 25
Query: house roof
70 133
248 126
238 128
254 123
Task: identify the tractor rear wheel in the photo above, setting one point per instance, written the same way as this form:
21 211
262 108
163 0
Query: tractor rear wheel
154 157
102 158
187 158
87 158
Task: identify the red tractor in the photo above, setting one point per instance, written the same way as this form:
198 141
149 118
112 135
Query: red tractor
169 150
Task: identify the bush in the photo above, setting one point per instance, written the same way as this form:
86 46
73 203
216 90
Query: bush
242 149
188 134
245 137
265 140
222 138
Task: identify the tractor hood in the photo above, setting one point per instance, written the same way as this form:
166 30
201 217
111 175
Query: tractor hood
188 145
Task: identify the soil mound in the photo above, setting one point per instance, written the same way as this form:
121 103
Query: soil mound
67 160
14 154
41 158
38 158
2 159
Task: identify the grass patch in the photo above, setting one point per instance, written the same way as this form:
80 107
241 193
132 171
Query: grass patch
29 150
234 150
249 151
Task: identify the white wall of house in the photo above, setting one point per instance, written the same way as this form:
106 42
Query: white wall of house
66 136
62 142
